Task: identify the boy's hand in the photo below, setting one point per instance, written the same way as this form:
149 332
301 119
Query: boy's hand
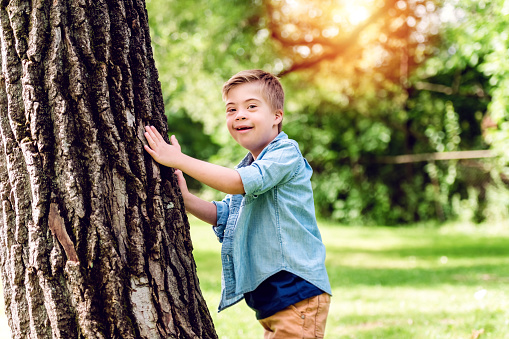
182 183
163 153
221 178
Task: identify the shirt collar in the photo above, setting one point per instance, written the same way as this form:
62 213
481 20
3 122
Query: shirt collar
248 159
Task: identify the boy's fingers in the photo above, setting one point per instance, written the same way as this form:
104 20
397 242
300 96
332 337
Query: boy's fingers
151 130
153 137
149 138
180 179
151 144
157 135
149 134
148 149
154 134
148 129
174 141
179 174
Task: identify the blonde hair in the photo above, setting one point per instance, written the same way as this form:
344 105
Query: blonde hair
269 84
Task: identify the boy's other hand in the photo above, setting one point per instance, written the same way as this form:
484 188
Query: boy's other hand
181 182
163 153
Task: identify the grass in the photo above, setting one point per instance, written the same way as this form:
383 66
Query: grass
417 282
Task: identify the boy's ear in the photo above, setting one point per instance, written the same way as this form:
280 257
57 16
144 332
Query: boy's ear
279 116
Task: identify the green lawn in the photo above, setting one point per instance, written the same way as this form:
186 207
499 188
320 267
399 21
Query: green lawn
418 282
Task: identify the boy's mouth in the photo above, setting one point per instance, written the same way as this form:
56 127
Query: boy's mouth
243 128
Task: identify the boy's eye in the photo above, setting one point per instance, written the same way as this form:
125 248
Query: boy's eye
230 110
251 106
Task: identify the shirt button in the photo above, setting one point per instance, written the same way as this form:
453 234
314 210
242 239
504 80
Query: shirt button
303 316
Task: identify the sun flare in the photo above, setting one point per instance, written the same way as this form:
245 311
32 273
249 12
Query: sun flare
313 27
351 13
345 15
356 12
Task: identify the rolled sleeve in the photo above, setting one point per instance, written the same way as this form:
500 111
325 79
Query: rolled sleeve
275 167
222 218
251 177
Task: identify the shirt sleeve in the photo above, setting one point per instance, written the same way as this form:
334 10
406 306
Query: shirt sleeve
222 208
277 166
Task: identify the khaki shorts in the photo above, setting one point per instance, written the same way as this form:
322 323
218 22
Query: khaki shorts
305 319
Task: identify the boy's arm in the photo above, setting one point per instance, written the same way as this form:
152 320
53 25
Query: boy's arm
200 208
221 178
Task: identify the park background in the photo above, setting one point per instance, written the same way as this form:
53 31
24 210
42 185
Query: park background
401 107
378 93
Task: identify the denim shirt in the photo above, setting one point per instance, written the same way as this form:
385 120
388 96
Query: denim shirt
272 227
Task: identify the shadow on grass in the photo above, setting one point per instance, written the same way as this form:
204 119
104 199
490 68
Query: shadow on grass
422 246
416 260
342 276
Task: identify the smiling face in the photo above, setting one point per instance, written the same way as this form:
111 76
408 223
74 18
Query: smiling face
250 119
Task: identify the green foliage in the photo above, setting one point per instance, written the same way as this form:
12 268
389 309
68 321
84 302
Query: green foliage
395 89
198 45
474 48
361 117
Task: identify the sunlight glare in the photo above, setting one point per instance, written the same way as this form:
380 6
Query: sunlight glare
353 13
356 13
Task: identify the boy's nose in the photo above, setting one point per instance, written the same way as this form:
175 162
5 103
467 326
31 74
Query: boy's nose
240 116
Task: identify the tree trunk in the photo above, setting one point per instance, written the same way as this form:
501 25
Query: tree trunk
94 239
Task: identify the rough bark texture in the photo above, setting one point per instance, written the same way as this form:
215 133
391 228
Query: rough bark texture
94 240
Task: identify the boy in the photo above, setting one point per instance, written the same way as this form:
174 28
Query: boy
272 253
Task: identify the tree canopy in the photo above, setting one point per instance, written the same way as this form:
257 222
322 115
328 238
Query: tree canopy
366 83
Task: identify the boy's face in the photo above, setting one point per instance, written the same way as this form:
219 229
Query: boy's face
251 120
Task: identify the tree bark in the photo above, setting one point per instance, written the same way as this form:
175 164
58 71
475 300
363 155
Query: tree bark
95 242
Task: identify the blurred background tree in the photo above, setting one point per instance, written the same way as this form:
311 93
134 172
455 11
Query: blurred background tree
366 82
